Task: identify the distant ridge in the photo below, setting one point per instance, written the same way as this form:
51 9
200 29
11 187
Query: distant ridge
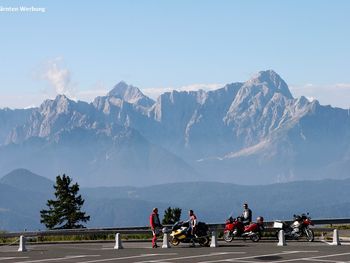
212 201
26 180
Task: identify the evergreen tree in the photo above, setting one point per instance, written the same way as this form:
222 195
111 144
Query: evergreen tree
65 211
176 214
168 216
171 215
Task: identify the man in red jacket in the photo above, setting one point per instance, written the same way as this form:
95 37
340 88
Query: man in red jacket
155 226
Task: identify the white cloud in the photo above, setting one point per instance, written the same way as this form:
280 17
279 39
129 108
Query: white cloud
336 95
22 100
345 86
99 89
58 77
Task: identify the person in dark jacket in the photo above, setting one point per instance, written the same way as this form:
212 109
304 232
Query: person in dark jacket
155 226
247 215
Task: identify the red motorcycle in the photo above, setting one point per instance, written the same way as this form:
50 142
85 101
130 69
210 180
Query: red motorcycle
234 227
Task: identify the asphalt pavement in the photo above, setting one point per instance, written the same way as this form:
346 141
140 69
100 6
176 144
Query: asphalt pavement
236 251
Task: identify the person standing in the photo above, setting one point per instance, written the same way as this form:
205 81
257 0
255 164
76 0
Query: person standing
155 226
192 226
193 222
247 214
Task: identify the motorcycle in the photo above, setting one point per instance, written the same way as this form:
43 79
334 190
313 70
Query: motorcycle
298 228
235 228
180 232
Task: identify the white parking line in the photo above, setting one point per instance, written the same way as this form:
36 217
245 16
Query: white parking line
332 255
315 258
57 259
121 258
256 256
188 257
324 260
112 248
8 258
331 243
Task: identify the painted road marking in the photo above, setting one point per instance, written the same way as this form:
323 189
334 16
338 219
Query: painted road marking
57 259
331 243
121 258
332 255
324 260
189 257
314 258
257 256
8 258
112 248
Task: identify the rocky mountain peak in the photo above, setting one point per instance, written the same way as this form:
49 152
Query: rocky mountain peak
130 94
270 79
60 104
121 88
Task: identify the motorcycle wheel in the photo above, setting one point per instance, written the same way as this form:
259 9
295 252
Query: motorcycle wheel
255 237
174 241
309 235
228 236
204 241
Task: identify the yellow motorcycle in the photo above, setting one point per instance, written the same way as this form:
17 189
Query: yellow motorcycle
180 232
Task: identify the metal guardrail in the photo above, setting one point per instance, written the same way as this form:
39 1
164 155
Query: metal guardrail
146 229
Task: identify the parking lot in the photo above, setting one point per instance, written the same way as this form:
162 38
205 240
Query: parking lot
237 251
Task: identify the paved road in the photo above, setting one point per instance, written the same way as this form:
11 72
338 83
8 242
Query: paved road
237 251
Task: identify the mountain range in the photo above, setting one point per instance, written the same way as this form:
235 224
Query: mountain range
254 132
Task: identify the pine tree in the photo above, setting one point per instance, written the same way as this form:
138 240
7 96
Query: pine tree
168 216
171 215
64 212
176 214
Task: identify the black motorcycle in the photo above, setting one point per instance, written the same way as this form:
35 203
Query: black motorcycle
298 228
181 232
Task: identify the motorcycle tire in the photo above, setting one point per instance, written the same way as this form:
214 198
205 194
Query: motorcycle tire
174 241
255 238
204 241
228 236
309 233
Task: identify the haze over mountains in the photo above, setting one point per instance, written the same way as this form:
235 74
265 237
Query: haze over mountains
23 194
246 133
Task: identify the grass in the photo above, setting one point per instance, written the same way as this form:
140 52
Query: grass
73 238
340 227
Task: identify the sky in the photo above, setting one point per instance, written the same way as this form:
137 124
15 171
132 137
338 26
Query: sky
83 48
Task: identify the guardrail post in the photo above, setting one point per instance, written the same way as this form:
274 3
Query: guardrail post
281 239
22 244
166 243
214 239
336 241
118 242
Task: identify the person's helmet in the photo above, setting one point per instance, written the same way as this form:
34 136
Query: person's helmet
297 217
260 219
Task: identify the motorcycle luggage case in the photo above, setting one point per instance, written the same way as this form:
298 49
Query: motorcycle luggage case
277 224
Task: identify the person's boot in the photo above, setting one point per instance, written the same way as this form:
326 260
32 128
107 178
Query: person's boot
193 244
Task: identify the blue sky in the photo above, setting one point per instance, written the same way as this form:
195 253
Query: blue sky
83 48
